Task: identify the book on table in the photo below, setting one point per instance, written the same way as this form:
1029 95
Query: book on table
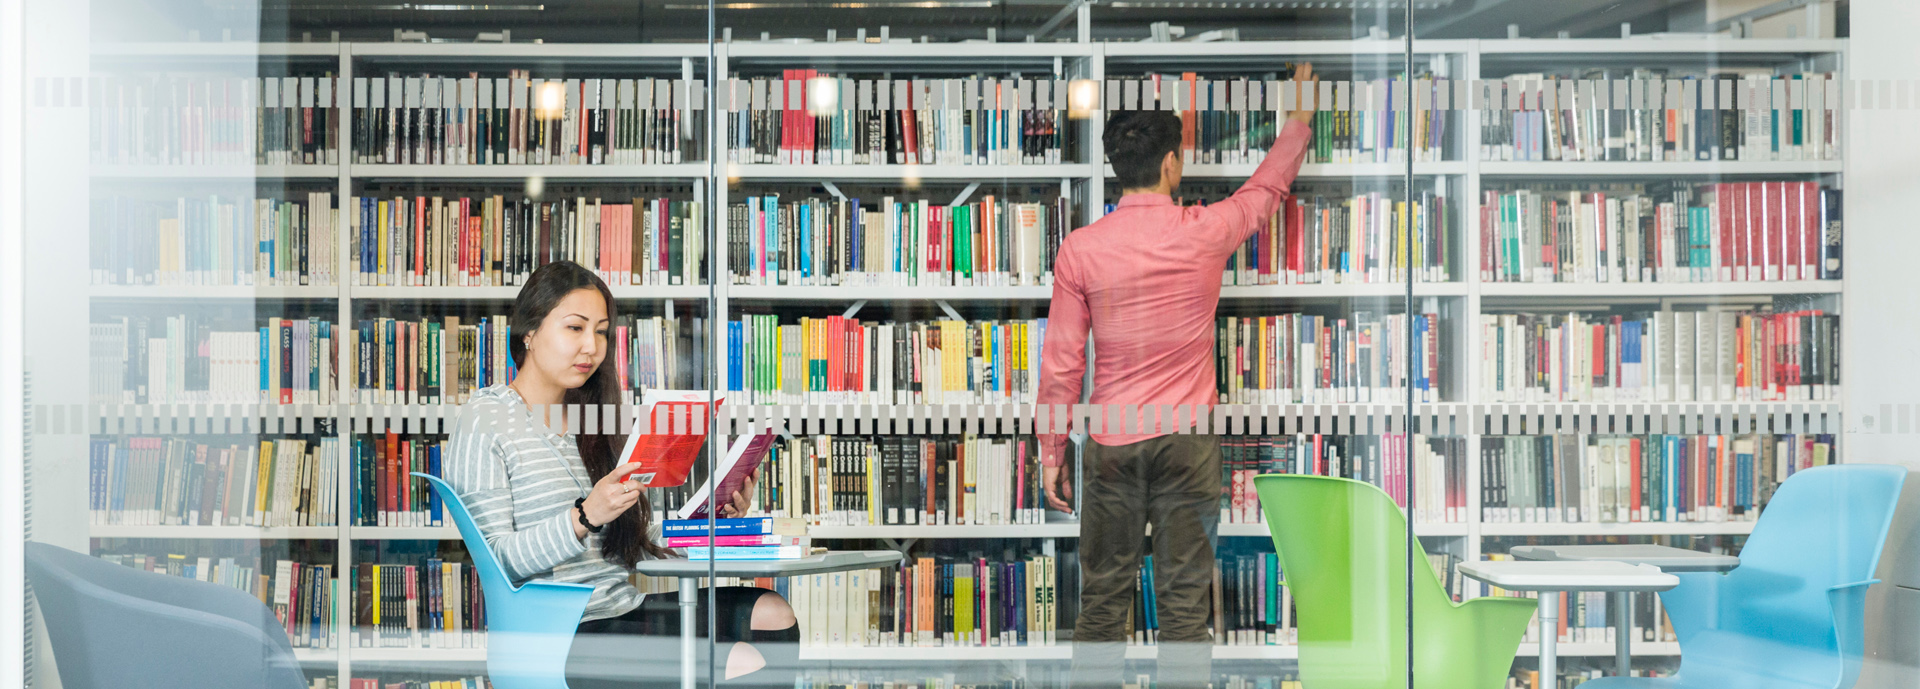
741 463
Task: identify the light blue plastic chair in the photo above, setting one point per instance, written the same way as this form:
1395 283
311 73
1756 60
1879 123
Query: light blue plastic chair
1792 615
530 626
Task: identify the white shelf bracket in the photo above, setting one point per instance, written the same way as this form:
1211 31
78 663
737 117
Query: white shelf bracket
948 309
964 193
831 189
853 309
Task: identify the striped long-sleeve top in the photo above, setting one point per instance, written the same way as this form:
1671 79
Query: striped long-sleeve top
520 480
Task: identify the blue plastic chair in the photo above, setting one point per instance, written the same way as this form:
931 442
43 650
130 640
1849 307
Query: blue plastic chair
113 627
529 627
1792 615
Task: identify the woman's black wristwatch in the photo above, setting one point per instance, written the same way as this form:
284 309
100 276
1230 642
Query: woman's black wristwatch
581 505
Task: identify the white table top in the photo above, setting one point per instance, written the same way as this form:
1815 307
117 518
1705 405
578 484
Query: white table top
1667 558
831 561
1526 575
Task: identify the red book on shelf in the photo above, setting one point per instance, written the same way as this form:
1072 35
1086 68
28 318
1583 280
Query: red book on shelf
1773 195
1790 223
403 466
1753 232
1810 229
1723 205
416 259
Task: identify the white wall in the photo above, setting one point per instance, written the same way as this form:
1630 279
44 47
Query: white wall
1882 303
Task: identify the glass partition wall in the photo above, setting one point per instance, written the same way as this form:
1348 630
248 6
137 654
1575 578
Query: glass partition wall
958 344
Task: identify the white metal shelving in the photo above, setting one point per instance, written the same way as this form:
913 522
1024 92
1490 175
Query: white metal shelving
214 532
211 292
684 172
970 173
154 173
1082 60
1592 168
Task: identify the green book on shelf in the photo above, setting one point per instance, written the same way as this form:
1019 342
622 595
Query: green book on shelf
963 242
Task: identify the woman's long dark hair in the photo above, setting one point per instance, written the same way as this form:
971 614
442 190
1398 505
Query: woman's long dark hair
624 541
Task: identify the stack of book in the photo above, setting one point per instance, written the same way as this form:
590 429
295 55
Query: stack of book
1234 121
1720 232
434 604
148 480
517 120
806 118
960 599
185 360
1347 239
385 494
213 240
1437 470
492 240
1662 356
444 360
1300 358
203 120
836 360
746 538
855 480
1642 114
989 241
1572 477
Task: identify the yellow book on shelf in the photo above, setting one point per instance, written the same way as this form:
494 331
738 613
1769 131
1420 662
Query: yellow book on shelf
263 488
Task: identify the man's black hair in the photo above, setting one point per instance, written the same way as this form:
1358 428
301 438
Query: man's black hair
1136 142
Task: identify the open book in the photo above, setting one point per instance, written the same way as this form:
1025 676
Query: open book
743 458
667 435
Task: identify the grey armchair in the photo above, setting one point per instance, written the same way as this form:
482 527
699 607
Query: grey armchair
113 627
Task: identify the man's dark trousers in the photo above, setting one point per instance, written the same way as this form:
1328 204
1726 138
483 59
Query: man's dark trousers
1172 481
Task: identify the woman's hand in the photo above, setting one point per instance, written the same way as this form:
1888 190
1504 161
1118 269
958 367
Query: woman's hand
741 500
611 496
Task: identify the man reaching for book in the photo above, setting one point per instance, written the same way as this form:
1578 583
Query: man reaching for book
1145 281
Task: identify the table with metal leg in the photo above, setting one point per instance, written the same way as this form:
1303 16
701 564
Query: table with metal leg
689 572
1667 558
1551 579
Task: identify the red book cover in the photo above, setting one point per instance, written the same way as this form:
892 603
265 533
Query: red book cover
1633 482
667 435
584 117
1753 231
1549 249
1774 195
1296 240
418 260
1599 357
1725 204
836 365
404 468
1810 229
390 475
1791 227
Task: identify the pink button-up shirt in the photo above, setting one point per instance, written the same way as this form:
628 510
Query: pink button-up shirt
1145 280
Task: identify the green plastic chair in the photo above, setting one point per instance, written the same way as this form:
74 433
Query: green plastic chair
1343 552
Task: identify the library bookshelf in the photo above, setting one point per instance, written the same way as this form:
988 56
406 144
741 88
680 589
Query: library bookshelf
1462 175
